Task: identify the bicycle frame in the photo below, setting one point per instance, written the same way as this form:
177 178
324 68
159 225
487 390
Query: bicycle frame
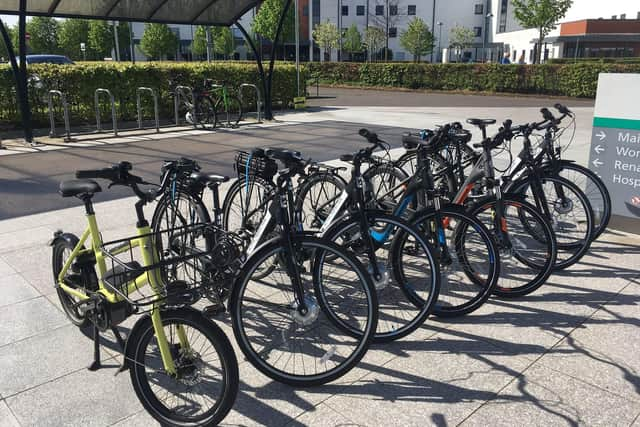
149 257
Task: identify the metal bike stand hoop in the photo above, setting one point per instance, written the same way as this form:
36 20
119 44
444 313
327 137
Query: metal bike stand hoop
65 110
181 93
113 110
258 98
139 92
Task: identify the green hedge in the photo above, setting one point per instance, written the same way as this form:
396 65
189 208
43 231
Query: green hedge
80 81
627 60
576 80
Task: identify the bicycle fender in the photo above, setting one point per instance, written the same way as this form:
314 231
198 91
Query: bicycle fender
141 325
69 238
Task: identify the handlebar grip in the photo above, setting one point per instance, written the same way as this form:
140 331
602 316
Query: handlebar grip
507 124
347 158
411 140
370 136
547 114
562 108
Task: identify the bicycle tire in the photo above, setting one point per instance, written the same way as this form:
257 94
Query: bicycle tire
313 216
236 199
275 339
398 315
541 267
443 177
206 112
594 189
382 178
483 276
573 240
140 339
87 276
232 111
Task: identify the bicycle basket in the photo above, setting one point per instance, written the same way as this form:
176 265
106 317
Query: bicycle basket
255 164
177 272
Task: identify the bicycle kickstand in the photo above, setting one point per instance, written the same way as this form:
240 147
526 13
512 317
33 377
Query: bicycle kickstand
95 365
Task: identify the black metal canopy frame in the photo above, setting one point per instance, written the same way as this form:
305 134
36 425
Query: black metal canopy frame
205 12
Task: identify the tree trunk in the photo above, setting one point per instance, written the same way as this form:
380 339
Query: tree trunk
539 53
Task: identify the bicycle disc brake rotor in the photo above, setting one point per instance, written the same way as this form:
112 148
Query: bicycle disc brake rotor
563 206
384 276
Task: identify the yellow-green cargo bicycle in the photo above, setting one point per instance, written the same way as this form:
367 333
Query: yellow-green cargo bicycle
182 366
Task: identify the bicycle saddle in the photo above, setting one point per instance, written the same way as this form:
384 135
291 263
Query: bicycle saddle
208 178
77 187
481 122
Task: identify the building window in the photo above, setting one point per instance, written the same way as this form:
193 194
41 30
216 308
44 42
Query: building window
623 16
393 10
345 10
479 9
305 10
360 10
478 31
412 10
504 8
379 10
638 15
393 32
614 17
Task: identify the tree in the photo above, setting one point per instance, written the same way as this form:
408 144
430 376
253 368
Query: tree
72 33
417 39
4 51
326 35
374 38
199 43
265 23
157 41
352 40
385 21
44 35
223 43
542 15
461 38
100 40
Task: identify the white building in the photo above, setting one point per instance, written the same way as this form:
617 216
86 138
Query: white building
506 30
441 16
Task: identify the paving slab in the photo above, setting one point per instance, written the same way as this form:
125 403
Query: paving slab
544 397
80 398
15 289
28 318
322 415
6 417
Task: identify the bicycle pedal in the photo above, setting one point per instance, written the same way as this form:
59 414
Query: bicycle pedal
213 310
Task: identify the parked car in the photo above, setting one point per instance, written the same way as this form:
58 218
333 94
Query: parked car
48 59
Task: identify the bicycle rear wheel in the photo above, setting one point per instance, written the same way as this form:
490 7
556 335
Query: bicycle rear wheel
204 388
310 349
245 204
406 264
469 259
229 114
316 197
526 260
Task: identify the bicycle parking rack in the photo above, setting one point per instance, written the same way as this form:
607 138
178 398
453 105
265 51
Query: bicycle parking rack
139 92
65 110
258 98
184 92
113 110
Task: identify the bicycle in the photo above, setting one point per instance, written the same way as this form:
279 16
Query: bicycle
401 262
176 382
312 318
225 104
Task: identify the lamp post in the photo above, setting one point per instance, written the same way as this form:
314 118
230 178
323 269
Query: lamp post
440 41
484 36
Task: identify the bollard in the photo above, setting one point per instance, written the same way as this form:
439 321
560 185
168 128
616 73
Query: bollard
139 92
65 110
113 110
258 98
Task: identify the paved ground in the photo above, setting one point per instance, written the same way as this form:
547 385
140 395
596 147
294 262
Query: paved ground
330 96
566 355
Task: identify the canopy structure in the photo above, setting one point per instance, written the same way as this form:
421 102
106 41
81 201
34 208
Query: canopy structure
191 12
195 12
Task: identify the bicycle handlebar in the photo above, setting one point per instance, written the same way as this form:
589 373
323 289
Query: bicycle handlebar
119 175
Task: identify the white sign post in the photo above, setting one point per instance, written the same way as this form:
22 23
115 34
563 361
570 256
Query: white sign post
615 145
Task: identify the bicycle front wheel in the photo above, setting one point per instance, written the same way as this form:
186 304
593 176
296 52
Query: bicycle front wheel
304 349
205 384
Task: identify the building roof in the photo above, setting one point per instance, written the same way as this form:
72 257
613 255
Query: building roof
192 12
